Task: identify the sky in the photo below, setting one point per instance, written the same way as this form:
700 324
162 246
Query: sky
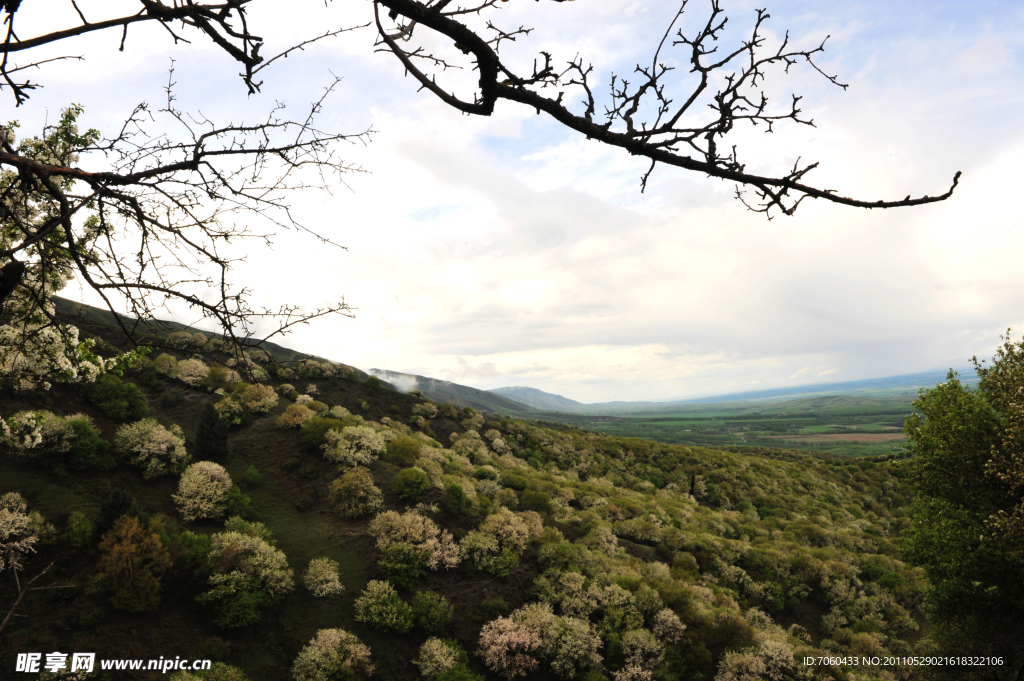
508 250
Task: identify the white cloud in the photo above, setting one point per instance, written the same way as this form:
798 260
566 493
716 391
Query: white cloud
508 251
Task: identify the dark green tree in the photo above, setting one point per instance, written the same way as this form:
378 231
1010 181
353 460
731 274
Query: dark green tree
117 504
211 436
966 532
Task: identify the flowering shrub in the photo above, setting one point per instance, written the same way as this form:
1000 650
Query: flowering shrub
322 578
180 339
17 538
508 648
294 416
303 399
380 606
353 446
338 412
203 491
166 364
667 626
258 398
192 371
416 421
287 390
33 354
230 411
249 573
332 654
437 657
155 449
425 409
354 494
437 547
642 649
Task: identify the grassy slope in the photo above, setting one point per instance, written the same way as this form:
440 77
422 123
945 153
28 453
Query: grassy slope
785 490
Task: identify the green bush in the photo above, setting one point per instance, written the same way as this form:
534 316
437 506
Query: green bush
402 451
432 611
291 464
459 673
239 503
410 483
380 606
514 481
454 499
119 401
493 607
252 476
211 439
80 531
314 430
403 565
117 504
485 473
535 501
89 450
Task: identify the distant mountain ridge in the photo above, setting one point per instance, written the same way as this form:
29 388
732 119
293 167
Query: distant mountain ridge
538 399
902 384
463 395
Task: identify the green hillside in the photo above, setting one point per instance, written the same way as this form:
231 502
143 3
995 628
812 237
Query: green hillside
614 555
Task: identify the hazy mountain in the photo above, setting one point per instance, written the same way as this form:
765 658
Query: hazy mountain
538 399
462 395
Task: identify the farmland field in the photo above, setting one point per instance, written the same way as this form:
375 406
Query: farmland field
838 424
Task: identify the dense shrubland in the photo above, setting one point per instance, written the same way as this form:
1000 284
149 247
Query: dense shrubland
624 559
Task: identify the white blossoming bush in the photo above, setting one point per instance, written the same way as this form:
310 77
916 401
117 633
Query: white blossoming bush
17 536
303 399
436 657
34 354
30 432
322 578
258 398
294 416
642 649
508 648
180 339
249 573
339 412
353 446
203 491
420 533
667 626
425 409
192 371
569 644
332 654
154 449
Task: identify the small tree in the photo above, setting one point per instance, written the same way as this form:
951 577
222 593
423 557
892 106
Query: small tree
155 449
380 606
410 483
258 398
508 649
248 574
354 494
432 611
192 371
437 657
17 539
203 491
294 416
353 446
333 655
132 561
322 578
